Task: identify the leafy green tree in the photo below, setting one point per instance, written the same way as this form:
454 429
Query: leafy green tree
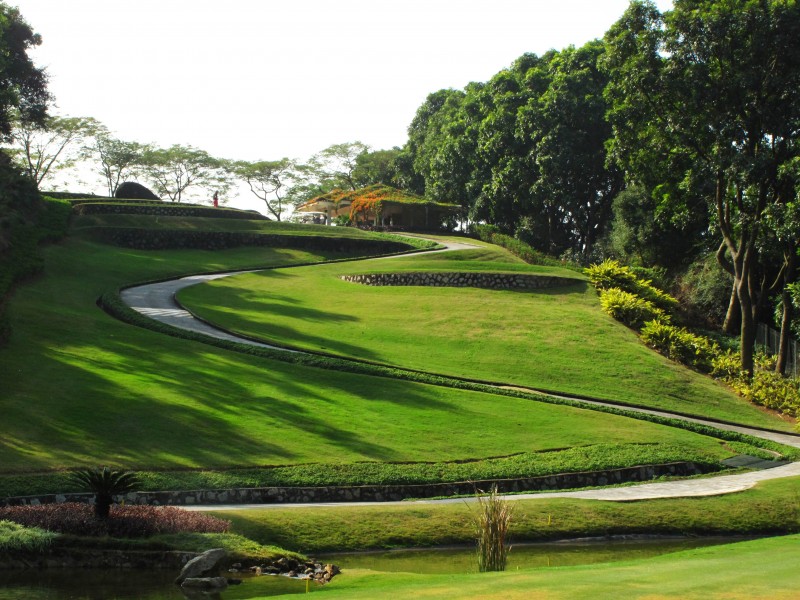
59 143
267 180
23 87
569 134
118 159
376 167
174 170
337 165
105 483
717 84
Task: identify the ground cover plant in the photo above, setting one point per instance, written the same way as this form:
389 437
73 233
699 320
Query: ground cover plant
18 538
555 339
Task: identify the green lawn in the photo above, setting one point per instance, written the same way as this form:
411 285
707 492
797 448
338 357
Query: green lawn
759 569
556 340
82 388
771 507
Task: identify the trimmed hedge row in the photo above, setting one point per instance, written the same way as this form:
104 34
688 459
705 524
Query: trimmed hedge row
491 234
112 303
171 239
123 521
163 209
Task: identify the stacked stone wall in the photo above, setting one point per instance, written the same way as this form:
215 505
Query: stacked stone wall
492 281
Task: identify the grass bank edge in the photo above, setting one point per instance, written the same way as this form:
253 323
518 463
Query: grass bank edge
770 508
112 303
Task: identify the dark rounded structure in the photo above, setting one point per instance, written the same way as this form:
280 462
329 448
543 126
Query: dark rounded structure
130 190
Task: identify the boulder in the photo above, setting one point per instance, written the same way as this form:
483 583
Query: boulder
201 565
205 583
130 190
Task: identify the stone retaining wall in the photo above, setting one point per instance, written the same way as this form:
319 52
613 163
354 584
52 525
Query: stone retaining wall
491 281
382 493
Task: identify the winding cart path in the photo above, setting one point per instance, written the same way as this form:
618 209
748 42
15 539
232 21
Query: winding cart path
157 301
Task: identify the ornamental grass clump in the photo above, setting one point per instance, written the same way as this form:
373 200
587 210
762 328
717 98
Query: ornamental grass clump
18 538
491 526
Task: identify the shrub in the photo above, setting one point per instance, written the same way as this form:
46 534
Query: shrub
611 274
491 234
681 345
18 538
124 521
766 388
629 308
105 483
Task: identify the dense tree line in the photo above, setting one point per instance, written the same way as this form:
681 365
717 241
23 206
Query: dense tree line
674 137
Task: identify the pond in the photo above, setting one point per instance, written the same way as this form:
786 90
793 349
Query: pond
151 584
552 554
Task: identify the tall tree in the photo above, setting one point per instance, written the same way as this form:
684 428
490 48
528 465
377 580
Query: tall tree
42 150
23 87
338 163
718 84
174 170
118 159
268 180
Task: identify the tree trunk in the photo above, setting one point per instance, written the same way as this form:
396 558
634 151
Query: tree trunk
733 318
788 310
748 329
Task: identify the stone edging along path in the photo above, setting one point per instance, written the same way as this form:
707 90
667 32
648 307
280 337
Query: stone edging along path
157 301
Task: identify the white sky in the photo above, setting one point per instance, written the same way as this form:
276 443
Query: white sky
263 79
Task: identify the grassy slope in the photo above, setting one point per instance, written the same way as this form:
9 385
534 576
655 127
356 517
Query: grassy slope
746 570
771 507
82 388
209 224
557 340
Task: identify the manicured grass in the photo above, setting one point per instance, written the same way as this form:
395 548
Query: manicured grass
557 340
80 388
528 464
83 223
770 508
765 568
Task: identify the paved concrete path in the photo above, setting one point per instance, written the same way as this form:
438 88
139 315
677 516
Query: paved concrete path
157 301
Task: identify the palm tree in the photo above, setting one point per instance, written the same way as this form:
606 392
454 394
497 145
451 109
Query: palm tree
105 483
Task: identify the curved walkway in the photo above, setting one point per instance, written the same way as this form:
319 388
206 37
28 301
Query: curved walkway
157 301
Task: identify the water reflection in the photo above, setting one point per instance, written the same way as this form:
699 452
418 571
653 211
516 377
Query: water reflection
523 556
125 584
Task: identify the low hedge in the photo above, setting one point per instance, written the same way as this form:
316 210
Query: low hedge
124 521
518 248
171 239
157 208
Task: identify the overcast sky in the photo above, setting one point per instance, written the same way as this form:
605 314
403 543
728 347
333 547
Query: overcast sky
263 79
